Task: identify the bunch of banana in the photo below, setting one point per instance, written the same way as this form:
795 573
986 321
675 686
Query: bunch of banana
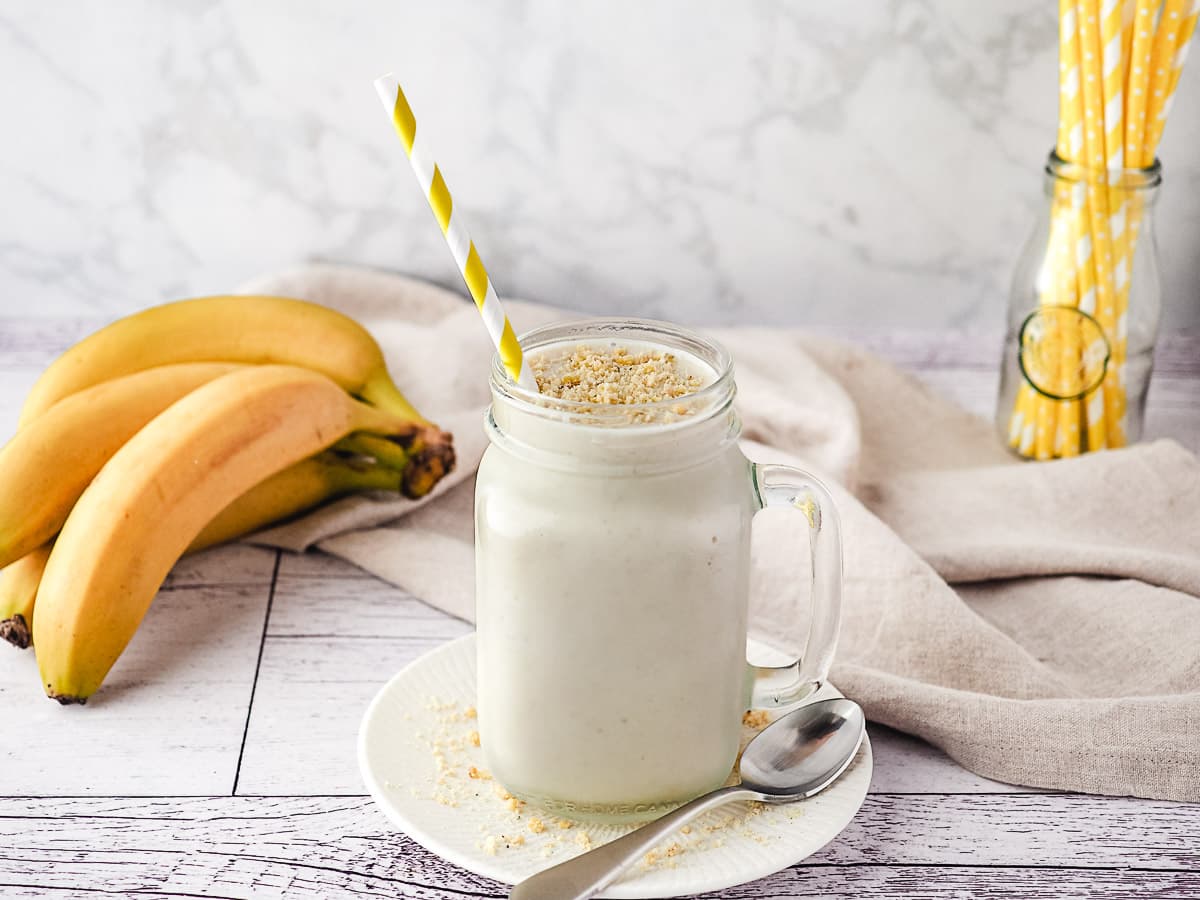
176 429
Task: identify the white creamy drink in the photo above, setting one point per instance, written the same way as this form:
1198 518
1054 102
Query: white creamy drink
612 555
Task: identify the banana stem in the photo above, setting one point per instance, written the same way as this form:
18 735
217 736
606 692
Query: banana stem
348 477
421 450
379 390
423 456
385 452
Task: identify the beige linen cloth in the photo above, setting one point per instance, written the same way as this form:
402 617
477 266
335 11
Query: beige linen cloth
1039 622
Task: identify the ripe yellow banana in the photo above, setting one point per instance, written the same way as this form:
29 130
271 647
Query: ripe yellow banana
18 587
158 491
245 329
296 490
48 463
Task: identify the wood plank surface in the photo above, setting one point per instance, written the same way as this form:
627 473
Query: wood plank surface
244 688
172 714
830 882
334 637
239 846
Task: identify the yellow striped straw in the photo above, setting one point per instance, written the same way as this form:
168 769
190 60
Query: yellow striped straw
1137 89
1113 92
1171 44
1070 146
1091 49
1137 93
429 177
1040 427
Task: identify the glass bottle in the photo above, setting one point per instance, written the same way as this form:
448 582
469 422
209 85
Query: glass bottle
1083 315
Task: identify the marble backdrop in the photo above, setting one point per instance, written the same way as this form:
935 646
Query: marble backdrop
867 164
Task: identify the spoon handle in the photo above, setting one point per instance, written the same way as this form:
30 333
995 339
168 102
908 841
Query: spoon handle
589 873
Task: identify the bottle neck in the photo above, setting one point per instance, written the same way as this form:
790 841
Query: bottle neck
1140 183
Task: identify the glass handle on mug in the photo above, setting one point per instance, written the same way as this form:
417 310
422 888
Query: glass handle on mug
785 487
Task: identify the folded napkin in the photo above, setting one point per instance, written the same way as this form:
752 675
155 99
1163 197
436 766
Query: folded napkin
1039 622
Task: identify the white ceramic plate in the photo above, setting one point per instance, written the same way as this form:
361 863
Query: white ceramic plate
417 754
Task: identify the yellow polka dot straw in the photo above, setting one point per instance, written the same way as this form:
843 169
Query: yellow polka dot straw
433 185
1176 24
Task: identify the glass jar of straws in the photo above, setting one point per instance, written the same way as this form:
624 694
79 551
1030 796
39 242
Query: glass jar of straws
1083 315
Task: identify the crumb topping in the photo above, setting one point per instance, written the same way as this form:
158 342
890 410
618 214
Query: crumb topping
612 375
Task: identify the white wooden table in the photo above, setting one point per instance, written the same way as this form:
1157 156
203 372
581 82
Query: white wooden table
218 761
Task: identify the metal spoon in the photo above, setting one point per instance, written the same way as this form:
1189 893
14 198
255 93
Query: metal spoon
796 757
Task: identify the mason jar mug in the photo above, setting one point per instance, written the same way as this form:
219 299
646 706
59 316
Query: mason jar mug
613 570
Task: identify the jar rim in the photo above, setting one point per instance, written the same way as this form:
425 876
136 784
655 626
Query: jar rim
1127 178
709 400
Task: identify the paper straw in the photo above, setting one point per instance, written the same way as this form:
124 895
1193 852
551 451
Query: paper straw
1091 51
1041 427
1070 146
429 177
1137 87
1113 90
1175 30
1128 15
1155 65
1112 83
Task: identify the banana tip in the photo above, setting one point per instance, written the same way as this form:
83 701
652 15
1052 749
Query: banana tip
65 699
16 631
429 464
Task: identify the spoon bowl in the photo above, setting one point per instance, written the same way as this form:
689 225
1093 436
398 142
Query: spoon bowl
804 752
795 757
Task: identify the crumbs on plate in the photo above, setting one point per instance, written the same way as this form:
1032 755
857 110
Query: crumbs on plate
460 777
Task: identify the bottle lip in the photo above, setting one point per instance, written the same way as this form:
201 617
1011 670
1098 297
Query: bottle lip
1132 178
702 404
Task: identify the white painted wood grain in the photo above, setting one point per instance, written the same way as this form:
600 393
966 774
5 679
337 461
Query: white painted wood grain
334 638
171 715
321 595
832 883
932 883
235 846
310 698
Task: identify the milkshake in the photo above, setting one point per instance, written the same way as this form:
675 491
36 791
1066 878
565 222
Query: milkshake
613 516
